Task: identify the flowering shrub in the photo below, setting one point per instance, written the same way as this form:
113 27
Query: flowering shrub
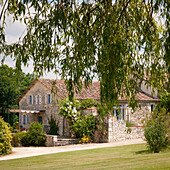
84 139
5 138
82 126
68 108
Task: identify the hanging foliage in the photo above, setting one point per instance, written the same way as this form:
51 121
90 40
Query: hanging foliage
122 43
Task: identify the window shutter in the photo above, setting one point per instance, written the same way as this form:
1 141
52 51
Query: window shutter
22 118
32 99
39 99
36 102
25 119
27 99
45 98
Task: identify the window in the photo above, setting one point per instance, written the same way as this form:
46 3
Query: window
36 99
39 99
152 107
25 119
119 112
31 99
49 98
40 119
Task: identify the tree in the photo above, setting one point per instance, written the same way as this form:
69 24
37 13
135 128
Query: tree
120 42
8 90
12 85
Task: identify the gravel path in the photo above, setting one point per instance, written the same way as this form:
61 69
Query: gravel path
21 152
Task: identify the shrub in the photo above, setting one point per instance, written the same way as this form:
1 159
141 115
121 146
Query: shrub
5 138
17 138
81 126
89 103
35 136
53 126
156 132
84 126
26 139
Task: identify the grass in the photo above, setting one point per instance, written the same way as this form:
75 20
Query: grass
123 157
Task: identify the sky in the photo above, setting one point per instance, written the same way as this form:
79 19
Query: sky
13 31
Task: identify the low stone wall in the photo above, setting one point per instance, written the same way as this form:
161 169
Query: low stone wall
53 140
134 132
50 140
117 131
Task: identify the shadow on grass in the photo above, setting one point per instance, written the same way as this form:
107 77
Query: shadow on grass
143 152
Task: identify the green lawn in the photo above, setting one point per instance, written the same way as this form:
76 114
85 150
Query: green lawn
124 157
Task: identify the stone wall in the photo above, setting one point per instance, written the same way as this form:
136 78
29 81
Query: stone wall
117 131
144 109
50 140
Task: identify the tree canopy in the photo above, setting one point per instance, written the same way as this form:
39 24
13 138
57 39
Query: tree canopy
11 87
122 42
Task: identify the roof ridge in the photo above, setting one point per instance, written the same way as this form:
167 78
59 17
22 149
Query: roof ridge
140 90
62 80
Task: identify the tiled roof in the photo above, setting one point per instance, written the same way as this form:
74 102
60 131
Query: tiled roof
93 91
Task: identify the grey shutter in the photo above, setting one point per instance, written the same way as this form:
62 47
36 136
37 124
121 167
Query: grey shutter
25 119
36 101
28 99
45 98
32 99
39 99
22 121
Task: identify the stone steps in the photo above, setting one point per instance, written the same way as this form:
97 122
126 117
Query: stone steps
61 141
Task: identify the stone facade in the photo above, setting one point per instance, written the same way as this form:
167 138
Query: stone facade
116 130
144 109
115 125
49 109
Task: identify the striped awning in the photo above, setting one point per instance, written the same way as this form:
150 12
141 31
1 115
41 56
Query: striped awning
26 111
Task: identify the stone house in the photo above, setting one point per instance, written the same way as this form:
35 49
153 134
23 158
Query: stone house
38 103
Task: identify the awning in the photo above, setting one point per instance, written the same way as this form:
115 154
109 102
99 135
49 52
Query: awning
26 111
